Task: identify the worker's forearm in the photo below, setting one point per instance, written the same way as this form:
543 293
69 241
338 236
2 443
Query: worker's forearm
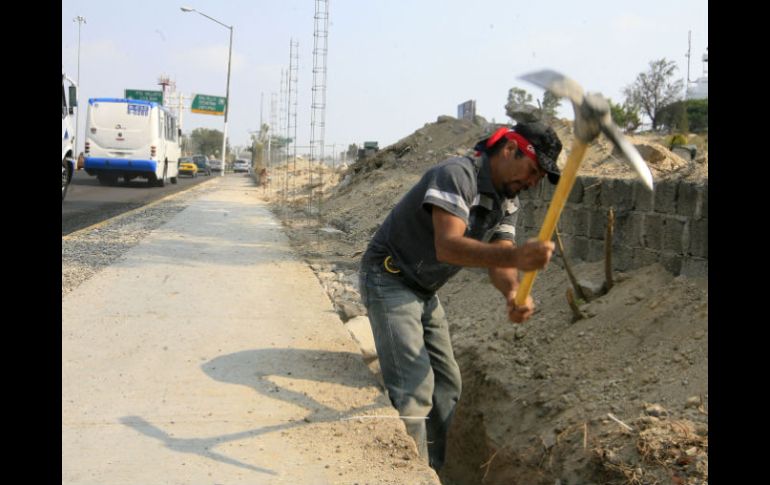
506 280
464 251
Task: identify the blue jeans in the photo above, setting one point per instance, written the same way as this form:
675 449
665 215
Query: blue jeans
415 352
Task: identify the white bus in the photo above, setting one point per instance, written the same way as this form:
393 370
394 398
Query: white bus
131 138
69 100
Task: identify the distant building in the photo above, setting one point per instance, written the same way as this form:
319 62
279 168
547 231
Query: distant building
370 149
700 87
467 110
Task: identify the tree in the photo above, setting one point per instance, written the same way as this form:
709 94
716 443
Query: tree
352 152
698 115
519 106
207 142
625 116
654 89
549 105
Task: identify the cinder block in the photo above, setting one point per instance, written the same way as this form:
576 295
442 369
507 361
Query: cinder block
547 189
592 189
643 199
597 223
673 231
595 250
566 221
580 221
704 212
622 257
665 196
652 236
629 229
580 247
672 262
606 193
622 192
644 257
527 217
576 194
688 199
695 267
699 238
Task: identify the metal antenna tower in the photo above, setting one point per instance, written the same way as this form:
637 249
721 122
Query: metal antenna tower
318 101
283 115
273 125
291 106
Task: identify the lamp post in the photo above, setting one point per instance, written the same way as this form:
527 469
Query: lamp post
227 94
80 20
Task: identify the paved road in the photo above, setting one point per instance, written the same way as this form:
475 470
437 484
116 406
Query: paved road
88 202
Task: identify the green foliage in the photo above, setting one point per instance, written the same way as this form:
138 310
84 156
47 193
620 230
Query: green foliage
519 106
550 103
352 152
625 116
698 115
685 116
654 89
207 142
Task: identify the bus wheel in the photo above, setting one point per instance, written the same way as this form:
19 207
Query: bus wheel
174 180
162 182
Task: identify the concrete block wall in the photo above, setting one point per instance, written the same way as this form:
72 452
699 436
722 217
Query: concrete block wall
668 226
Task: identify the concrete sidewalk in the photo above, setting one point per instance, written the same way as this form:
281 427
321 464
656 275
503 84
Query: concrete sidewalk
210 355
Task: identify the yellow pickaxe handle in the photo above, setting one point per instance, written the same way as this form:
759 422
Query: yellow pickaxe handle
563 188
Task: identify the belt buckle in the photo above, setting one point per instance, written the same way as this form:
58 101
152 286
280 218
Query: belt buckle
388 268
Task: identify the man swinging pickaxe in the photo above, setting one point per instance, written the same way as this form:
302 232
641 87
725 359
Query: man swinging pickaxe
592 116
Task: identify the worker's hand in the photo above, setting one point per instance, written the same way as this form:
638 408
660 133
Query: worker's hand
519 314
534 255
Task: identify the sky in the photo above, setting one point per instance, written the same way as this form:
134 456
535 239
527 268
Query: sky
392 65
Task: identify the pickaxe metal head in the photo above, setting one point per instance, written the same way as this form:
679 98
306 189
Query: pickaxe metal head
592 115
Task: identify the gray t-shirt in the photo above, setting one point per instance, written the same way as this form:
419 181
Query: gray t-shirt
461 186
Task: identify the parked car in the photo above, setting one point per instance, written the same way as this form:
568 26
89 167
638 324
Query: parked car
188 167
202 163
216 165
241 166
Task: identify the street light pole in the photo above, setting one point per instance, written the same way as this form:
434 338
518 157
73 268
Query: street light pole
80 20
227 94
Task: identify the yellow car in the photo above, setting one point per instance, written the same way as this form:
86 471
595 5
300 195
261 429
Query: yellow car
188 167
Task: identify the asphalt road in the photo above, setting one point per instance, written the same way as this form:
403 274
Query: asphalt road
88 202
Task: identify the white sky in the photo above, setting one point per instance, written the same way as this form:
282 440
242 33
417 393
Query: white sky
393 65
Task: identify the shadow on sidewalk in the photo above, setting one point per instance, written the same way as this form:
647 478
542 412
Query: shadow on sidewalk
260 369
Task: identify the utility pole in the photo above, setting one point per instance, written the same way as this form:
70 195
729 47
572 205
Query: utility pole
80 20
687 86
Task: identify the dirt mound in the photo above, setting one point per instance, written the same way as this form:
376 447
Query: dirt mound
533 389
549 401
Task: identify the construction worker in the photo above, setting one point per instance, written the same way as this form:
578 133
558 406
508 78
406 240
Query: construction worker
462 212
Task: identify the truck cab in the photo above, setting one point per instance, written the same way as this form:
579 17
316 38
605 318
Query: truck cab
69 101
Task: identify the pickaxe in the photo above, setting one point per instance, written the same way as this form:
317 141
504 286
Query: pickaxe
592 116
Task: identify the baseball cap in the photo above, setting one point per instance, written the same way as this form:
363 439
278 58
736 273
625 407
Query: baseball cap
538 141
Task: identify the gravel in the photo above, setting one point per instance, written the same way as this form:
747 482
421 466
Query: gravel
84 253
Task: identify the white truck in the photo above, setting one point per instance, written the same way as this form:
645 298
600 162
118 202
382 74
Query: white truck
69 100
131 138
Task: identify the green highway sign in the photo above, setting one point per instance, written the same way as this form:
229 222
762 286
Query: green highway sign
156 96
208 105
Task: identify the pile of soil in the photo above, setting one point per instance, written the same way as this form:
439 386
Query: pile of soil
617 397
